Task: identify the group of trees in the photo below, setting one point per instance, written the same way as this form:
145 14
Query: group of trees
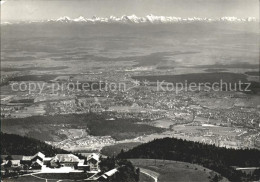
18 145
95 124
221 160
126 171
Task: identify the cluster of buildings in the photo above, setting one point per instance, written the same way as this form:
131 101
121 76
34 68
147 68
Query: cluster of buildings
83 142
40 162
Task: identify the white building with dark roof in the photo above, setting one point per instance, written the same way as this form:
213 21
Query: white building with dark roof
37 164
65 160
93 161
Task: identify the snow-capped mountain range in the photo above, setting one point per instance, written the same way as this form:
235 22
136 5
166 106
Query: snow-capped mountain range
138 20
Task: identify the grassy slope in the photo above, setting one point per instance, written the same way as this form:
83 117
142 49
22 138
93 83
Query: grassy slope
176 171
145 178
218 159
36 179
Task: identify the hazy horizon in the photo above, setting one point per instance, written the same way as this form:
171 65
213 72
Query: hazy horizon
17 10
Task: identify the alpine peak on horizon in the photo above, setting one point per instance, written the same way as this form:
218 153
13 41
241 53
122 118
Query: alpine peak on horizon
149 19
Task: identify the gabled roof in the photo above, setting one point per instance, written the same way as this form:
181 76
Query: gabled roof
4 162
93 156
111 172
37 162
66 158
39 154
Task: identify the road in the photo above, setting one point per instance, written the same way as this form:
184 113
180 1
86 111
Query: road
150 173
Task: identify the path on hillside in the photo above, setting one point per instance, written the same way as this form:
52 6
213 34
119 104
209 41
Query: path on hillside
150 173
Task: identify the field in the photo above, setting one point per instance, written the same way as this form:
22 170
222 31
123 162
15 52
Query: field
74 176
44 78
176 171
196 78
28 178
253 73
53 177
215 70
34 68
163 123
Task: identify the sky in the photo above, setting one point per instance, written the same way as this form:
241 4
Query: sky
15 10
